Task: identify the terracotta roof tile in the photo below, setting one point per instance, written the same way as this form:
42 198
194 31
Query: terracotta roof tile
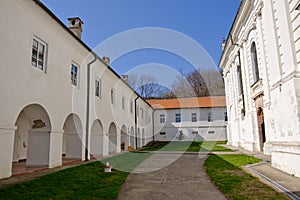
194 102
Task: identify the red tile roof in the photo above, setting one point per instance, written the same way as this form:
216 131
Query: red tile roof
194 102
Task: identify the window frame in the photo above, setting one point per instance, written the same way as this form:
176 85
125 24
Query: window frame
209 117
123 102
162 118
297 7
98 87
162 133
178 117
45 53
254 60
112 96
240 79
76 82
131 106
194 117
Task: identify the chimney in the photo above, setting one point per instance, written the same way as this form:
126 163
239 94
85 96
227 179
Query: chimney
75 25
106 60
125 78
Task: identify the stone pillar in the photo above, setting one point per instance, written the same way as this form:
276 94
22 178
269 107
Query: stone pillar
7 134
105 145
55 151
118 144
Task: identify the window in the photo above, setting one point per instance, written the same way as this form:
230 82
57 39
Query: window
240 80
254 63
74 74
194 117
138 111
178 118
131 106
226 117
97 88
162 118
298 7
209 117
211 132
123 103
112 96
163 133
38 57
195 132
142 111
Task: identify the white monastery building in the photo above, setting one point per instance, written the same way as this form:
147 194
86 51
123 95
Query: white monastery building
188 119
59 100
261 69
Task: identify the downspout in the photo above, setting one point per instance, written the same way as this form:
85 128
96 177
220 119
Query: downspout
88 108
153 125
136 121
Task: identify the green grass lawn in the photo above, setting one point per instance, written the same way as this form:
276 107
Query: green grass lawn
84 182
227 174
126 162
195 146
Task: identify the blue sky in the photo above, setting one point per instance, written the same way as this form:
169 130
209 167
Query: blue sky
205 21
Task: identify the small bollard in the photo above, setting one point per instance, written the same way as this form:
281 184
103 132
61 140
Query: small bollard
107 168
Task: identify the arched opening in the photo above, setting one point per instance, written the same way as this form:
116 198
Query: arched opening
32 138
261 127
96 139
72 143
260 122
143 138
113 138
254 62
132 138
124 138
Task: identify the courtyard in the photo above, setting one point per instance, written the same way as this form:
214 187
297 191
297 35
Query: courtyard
155 173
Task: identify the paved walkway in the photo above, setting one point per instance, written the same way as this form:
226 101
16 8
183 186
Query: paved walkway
183 179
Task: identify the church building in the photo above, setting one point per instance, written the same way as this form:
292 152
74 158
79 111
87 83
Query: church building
261 69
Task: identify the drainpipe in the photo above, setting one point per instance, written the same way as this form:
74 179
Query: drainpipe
153 125
88 108
136 121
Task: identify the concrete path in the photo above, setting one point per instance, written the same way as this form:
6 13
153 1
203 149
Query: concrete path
183 179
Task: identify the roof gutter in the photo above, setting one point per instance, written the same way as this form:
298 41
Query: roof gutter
88 108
